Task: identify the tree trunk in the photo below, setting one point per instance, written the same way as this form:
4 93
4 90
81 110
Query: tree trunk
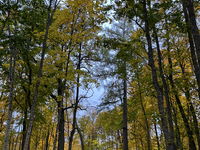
177 131
61 121
61 138
194 60
185 120
81 138
24 128
192 48
125 134
76 103
12 79
145 116
157 139
193 26
169 142
32 114
171 128
146 121
57 127
192 110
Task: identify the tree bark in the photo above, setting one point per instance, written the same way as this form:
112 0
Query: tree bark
194 58
145 116
157 139
125 134
192 110
177 131
185 120
169 142
61 121
76 103
192 48
193 26
81 138
32 114
61 138
12 79
24 128
171 128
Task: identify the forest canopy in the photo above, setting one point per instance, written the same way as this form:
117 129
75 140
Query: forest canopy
56 54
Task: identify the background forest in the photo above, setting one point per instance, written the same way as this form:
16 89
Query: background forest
144 55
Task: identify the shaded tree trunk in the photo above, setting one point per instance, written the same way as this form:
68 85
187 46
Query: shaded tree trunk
171 128
76 103
192 27
24 128
145 116
81 138
61 138
191 107
168 140
32 114
157 139
12 79
61 121
177 131
125 134
185 120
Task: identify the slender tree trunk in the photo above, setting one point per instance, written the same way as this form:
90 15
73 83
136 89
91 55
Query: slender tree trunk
192 48
61 121
171 128
32 114
12 79
125 134
157 139
67 123
193 112
185 120
81 138
24 128
177 131
76 103
61 138
193 26
194 58
191 108
145 116
57 129
168 140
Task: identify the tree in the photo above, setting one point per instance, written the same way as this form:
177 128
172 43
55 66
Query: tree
50 17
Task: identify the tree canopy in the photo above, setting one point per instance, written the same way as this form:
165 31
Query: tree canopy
144 55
